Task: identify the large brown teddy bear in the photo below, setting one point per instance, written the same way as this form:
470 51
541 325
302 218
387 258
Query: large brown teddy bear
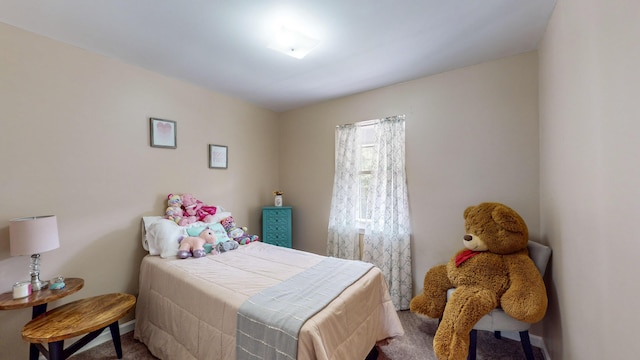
493 270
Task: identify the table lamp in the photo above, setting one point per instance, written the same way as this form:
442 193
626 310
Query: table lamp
31 236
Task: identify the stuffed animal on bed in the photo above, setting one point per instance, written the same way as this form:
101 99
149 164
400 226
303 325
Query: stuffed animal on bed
175 213
194 245
194 207
237 233
174 209
222 243
494 269
225 246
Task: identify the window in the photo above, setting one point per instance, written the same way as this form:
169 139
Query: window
370 194
367 151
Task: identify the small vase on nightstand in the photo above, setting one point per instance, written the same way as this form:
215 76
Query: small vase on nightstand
277 198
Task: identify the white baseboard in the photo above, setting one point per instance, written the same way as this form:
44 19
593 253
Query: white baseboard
536 341
103 337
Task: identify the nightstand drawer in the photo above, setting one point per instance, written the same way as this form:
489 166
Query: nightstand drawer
276 225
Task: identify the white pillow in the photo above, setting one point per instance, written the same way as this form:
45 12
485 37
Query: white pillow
163 237
146 222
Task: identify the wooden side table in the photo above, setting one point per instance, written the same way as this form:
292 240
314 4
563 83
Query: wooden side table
39 300
87 316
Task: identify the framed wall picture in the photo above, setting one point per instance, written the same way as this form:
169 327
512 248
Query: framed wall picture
163 133
218 156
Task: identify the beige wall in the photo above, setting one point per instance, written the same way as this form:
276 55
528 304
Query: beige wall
74 141
590 176
472 136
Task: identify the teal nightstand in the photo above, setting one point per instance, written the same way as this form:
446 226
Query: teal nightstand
276 225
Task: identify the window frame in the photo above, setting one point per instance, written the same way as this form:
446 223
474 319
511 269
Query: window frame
364 126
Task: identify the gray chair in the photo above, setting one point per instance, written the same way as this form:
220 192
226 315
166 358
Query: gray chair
497 320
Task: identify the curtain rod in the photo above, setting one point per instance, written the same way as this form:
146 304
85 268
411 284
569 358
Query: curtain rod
371 122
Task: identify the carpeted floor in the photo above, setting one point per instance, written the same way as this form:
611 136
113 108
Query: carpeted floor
415 344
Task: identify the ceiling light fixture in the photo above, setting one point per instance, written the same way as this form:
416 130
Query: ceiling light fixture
293 43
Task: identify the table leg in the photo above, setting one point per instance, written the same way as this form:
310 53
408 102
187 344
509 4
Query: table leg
38 309
56 351
115 335
34 353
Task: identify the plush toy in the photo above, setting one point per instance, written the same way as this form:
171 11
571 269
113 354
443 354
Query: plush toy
237 233
174 210
493 270
194 245
220 245
194 207
225 246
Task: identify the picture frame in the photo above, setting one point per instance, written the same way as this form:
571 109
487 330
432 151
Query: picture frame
163 133
218 156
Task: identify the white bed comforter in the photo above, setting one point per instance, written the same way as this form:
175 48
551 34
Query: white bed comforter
187 309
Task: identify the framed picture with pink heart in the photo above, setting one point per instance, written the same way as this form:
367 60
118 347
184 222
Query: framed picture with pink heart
163 133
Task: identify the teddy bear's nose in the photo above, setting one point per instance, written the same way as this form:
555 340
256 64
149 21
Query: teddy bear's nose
468 237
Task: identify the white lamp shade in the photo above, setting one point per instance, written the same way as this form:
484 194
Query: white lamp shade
33 235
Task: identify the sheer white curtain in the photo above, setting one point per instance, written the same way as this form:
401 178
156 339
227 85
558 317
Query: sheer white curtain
387 235
343 241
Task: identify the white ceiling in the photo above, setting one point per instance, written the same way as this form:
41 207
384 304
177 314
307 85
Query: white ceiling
222 44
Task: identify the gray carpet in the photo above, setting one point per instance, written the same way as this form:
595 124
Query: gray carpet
415 344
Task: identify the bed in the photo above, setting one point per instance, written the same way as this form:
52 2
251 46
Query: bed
188 308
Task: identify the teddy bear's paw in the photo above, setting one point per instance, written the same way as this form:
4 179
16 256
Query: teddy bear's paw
451 348
530 313
441 346
421 305
459 348
422 316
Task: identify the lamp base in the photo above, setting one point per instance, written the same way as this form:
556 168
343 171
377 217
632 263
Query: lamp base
36 283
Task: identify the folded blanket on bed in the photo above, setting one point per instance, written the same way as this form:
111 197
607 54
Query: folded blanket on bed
269 322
